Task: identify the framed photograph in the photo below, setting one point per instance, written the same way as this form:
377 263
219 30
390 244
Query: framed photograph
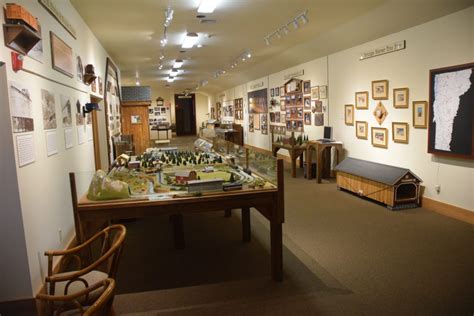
100 84
379 137
277 91
420 119
264 124
349 114
362 100
319 119
61 56
307 118
318 106
135 119
282 91
307 103
272 93
307 86
282 105
256 122
257 101
299 100
315 92
400 98
380 90
400 132
451 120
251 122
361 129
323 92
277 117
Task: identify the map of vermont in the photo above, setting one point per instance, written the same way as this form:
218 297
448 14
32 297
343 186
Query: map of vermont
448 87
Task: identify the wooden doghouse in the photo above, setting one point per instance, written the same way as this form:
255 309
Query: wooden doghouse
396 187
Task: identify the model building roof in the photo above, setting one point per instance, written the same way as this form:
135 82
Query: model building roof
374 171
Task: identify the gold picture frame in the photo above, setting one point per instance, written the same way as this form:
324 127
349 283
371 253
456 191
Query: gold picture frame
61 56
420 117
400 132
307 87
362 100
401 98
380 90
349 114
315 92
361 129
379 137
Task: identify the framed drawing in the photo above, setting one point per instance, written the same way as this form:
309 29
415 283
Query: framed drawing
61 56
380 89
451 111
400 132
362 100
380 113
307 86
361 129
315 92
323 92
379 137
420 119
349 114
400 98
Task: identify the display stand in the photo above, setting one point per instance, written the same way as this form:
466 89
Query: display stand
323 157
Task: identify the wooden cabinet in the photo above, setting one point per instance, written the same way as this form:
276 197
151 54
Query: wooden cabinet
135 122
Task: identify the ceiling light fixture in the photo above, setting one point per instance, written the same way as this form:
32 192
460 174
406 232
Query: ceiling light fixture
173 72
168 17
295 24
190 39
160 66
285 28
267 41
178 63
207 6
170 79
304 18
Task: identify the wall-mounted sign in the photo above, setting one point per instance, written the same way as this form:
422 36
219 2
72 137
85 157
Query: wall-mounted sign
294 74
51 8
389 48
257 85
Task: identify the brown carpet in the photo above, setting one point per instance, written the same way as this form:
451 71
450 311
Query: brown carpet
343 255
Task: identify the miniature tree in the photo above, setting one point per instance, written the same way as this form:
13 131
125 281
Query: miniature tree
232 179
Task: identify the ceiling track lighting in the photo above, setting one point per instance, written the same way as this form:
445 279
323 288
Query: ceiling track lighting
178 63
207 6
190 40
285 29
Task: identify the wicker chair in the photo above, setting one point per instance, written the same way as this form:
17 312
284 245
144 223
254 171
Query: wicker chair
96 260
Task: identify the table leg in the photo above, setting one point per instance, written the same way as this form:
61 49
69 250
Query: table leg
177 221
276 244
319 165
228 213
309 159
246 236
293 164
301 160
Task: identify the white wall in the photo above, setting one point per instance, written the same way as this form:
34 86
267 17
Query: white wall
43 186
442 42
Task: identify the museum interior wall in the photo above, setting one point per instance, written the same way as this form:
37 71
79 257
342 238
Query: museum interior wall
446 41
43 185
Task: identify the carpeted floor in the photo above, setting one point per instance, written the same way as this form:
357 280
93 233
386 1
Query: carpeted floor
342 255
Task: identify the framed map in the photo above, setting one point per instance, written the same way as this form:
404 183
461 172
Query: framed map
451 111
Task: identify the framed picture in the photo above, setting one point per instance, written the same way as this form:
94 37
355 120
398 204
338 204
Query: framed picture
251 122
380 113
319 119
379 137
307 86
307 118
277 91
380 90
256 122
257 101
100 84
318 106
282 91
349 114
420 119
362 100
61 55
315 92
282 105
307 103
451 121
323 92
272 93
136 119
361 129
400 98
400 132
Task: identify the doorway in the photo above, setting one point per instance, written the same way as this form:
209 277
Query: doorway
185 114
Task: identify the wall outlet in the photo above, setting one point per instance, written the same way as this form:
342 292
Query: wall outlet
438 188
60 232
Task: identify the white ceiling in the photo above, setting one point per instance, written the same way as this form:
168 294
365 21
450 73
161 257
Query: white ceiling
131 31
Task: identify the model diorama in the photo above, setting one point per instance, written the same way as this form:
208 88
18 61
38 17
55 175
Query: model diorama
163 174
398 188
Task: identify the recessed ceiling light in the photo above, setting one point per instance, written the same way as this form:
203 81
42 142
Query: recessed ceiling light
190 39
207 6
178 63
173 72
249 55
199 45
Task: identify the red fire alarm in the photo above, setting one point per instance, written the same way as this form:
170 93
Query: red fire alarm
17 61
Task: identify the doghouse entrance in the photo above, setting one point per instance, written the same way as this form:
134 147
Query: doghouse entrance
406 191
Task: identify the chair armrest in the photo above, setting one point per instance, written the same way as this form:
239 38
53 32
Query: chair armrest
74 249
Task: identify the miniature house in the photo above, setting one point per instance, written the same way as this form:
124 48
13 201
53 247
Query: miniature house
182 177
396 187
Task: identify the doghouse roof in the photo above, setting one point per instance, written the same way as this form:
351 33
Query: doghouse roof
374 171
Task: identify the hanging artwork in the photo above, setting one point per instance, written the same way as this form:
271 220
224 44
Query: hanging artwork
307 118
319 119
48 105
361 129
264 124
362 100
66 111
349 114
251 127
61 54
400 98
21 108
315 92
380 113
323 92
380 90
400 132
257 101
379 137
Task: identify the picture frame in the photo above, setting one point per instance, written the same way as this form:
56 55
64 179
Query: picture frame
349 114
461 143
307 118
401 98
362 100
307 87
272 92
379 137
361 129
61 56
400 131
307 103
277 91
380 90
318 119
323 92
282 91
315 92
420 117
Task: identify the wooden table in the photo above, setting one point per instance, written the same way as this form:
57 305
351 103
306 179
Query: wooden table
269 202
323 157
295 151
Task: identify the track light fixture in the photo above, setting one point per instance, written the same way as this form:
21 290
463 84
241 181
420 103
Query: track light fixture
285 29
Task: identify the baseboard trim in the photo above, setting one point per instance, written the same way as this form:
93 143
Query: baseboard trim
448 210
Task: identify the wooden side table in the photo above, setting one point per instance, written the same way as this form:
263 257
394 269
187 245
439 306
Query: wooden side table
295 151
323 157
